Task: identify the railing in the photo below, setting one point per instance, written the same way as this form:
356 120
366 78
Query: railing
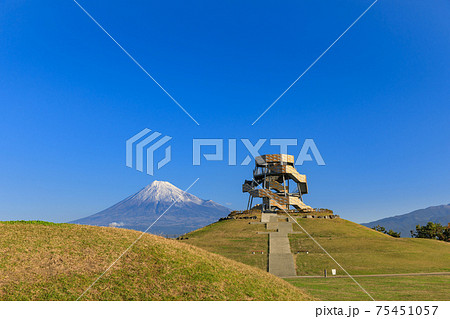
260 171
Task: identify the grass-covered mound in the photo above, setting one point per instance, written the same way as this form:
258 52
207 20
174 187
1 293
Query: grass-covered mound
361 250
358 249
45 261
236 239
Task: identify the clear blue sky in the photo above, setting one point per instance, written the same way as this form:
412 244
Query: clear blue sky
377 104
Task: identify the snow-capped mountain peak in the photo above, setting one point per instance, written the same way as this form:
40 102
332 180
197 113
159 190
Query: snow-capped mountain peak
161 191
176 211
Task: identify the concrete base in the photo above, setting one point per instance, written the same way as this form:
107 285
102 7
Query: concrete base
266 217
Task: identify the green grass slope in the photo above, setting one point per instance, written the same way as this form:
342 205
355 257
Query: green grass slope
44 261
360 250
381 288
363 251
235 239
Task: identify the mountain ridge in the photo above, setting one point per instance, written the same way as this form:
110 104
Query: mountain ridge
404 223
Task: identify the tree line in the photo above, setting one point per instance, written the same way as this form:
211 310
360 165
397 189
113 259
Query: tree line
389 232
430 231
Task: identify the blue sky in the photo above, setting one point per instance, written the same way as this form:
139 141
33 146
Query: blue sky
376 105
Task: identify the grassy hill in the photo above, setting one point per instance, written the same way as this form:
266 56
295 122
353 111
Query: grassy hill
235 239
45 261
360 250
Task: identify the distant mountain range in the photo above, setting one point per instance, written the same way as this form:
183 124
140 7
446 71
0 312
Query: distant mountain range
407 222
140 210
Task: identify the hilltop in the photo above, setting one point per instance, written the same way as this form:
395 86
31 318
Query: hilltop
45 261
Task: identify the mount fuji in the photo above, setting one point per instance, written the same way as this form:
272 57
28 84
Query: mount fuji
139 211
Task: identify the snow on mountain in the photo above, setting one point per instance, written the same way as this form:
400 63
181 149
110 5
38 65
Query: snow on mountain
187 213
160 191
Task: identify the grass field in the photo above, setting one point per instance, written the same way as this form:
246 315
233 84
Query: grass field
361 250
45 261
358 249
381 288
235 239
